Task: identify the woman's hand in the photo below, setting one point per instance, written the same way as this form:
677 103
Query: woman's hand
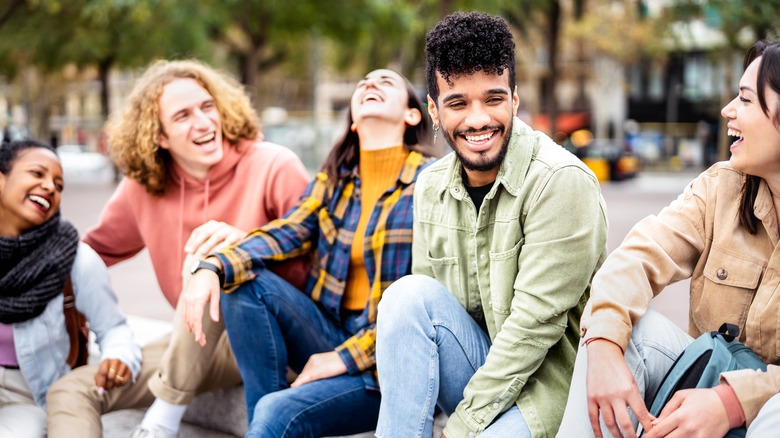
211 237
112 373
612 390
691 413
202 289
320 366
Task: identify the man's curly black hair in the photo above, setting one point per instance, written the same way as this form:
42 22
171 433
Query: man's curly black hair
463 44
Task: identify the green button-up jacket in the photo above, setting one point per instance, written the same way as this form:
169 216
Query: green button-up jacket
522 263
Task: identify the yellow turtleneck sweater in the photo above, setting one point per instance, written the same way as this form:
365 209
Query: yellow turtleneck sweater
379 170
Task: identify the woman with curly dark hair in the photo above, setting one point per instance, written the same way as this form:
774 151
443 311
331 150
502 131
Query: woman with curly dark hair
41 256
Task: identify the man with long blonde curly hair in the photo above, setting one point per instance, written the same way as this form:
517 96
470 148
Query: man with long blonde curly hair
198 177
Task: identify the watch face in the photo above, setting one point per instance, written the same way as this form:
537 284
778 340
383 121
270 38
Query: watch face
195 266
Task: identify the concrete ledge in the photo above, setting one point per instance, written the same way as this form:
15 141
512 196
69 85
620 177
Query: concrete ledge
215 414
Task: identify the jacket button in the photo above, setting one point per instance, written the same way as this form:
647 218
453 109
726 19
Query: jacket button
722 274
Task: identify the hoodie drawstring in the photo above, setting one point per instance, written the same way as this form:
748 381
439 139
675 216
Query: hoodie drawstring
180 246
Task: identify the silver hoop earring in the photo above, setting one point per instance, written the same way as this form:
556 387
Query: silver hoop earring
435 131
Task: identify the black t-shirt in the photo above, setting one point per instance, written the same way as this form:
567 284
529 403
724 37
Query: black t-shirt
478 194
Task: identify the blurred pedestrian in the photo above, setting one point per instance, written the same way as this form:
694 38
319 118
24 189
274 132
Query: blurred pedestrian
355 224
723 234
198 178
508 231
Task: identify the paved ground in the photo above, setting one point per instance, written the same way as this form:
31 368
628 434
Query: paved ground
627 203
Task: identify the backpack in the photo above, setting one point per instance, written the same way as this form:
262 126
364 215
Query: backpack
700 365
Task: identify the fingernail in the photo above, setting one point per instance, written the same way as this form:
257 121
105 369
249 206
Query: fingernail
100 390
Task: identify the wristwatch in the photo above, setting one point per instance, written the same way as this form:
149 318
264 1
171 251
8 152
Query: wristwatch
201 264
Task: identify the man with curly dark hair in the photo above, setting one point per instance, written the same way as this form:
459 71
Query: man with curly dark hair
508 232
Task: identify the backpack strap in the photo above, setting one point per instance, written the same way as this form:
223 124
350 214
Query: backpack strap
71 321
728 331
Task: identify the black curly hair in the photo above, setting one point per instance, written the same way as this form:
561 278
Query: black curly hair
9 151
462 44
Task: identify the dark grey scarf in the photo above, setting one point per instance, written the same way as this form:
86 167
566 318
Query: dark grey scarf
34 267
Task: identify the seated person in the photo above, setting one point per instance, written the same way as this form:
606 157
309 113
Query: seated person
198 177
722 233
355 224
508 232
39 253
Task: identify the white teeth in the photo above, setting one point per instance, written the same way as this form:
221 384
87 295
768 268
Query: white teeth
734 133
208 137
371 96
40 201
478 138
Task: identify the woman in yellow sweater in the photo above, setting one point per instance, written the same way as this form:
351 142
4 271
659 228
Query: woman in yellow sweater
354 223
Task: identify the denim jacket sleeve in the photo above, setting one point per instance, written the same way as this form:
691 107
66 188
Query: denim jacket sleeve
97 301
564 227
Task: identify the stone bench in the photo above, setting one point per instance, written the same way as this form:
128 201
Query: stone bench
215 414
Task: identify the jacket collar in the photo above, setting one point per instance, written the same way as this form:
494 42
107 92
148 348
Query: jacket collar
512 171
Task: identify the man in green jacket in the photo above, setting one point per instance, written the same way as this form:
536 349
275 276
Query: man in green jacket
508 232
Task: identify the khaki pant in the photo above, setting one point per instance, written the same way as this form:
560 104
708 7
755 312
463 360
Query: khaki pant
175 369
20 417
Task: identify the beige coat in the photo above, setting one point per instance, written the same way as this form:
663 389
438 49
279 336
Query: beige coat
734 275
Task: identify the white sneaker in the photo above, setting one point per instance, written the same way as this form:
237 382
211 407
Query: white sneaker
142 431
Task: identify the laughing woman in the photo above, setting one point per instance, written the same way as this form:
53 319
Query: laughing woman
354 223
723 234
38 254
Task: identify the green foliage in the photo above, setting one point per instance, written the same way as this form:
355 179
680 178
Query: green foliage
52 34
760 17
621 31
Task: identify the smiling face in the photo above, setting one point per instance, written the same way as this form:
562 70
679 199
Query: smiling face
30 192
475 113
382 95
757 149
191 126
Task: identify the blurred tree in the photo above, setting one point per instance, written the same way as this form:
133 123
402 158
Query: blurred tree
402 25
545 16
9 9
741 22
264 34
103 34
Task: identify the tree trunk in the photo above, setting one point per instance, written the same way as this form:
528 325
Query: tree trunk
553 36
9 10
104 69
251 71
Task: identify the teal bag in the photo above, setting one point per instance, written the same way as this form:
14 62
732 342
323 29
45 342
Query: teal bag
700 365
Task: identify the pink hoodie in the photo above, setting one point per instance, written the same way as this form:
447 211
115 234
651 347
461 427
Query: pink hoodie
252 185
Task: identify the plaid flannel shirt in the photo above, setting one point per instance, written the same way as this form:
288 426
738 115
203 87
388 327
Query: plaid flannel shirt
326 216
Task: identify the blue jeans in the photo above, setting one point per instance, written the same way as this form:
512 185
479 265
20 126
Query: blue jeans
655 344
427 349
271 325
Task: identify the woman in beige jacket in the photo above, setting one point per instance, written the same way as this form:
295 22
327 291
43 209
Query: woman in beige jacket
723 234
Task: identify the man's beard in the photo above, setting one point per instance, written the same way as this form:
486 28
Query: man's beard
486 163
